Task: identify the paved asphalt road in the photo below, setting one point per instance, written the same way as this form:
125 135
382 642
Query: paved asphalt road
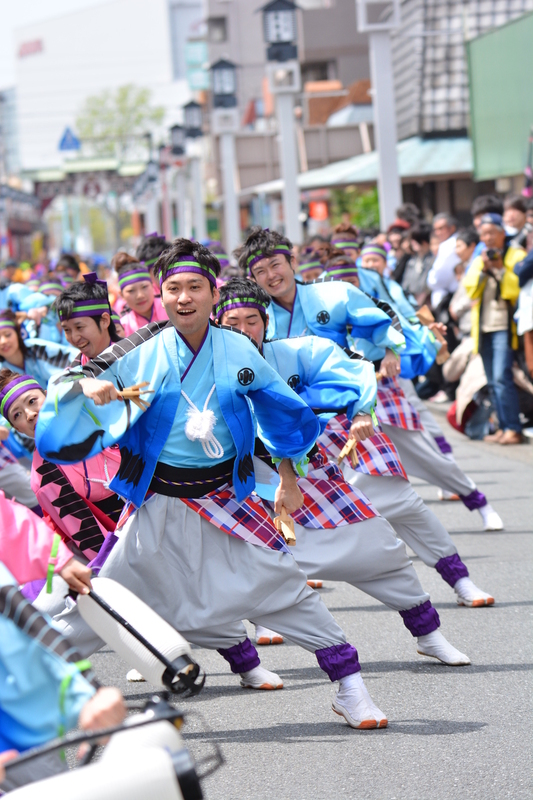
453 732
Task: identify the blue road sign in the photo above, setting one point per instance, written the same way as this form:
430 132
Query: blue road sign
69 141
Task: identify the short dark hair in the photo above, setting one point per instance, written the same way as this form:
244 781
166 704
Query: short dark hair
409 213
264 241
486 204
67 261
243 287
10 316
64 305
515 201
468 236
185 247
421 233
449 218
151 247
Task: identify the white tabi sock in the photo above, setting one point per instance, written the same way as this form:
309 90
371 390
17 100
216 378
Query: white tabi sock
353 702
435 645
491 519
260 678
468 594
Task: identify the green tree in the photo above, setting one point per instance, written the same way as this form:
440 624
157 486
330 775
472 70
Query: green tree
113 121
362 206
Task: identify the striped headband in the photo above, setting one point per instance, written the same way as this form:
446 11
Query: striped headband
306 266
259 255
239 302
51 286
189 264
342 271
339 242
7 323
149 262
134 276
85 308
374 250
14 389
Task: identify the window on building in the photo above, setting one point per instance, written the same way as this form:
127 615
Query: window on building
310 5
217 29
319 71
185 23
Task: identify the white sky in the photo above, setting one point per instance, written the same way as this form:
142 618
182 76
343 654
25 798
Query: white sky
16 13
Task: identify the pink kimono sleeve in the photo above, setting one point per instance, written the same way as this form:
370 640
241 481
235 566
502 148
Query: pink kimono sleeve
26 542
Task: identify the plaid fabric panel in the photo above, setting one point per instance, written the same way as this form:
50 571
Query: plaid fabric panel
393 408
248 520
6 457
376 455
329 502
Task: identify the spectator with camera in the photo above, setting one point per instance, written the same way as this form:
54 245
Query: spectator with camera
492 282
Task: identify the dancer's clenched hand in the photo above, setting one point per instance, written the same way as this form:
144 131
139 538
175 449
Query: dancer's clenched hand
288 493
77 575
100 392
390 364
361 428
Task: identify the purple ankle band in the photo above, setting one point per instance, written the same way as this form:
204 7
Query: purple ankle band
451 568
421 620
241 657
32 590
338 661
444 446
475 499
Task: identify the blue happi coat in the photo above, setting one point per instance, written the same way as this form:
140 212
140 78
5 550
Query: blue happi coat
324 375
43 360
421 347
72 428
329 310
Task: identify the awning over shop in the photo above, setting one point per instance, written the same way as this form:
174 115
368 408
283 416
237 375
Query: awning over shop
418 159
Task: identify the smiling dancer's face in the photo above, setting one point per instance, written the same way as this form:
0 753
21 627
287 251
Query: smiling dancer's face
188 299
24 412
247 320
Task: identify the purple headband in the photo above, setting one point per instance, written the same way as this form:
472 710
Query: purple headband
239 302
259 255
7 323
342 271
375 250
189 264
14 389
306 266
92 307
139 275
341 242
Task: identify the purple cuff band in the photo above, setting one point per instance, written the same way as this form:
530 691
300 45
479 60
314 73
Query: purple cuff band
444 446
451 568
338 661
241 657
32 590
98 561
475 499
421 620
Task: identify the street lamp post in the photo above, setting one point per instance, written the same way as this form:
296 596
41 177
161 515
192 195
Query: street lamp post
177 145
225 123
193 130
280 33
378 19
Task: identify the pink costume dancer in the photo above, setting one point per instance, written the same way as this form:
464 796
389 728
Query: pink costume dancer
136 286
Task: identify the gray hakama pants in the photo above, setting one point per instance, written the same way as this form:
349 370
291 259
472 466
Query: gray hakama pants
412 520
204 582
428 420
422 458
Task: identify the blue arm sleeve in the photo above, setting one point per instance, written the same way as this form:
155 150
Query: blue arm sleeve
33 706
524 269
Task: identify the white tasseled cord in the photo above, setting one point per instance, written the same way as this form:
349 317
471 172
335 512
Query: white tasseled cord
200 426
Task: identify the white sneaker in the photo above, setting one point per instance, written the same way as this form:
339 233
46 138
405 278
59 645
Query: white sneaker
469 595
134 676
260 678
353 702
436 646
491 519
266 636
444 494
